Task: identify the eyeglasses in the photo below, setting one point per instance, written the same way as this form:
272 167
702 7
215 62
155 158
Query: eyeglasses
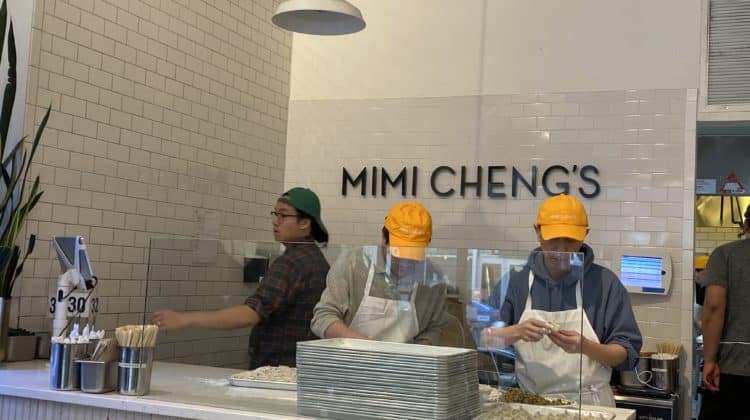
282 216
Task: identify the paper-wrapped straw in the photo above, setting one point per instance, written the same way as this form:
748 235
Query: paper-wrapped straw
136 335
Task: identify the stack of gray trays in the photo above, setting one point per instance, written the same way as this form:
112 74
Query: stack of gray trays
359 379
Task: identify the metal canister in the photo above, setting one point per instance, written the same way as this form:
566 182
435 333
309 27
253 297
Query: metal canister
135 370
666 373
638 377
64 372
98 376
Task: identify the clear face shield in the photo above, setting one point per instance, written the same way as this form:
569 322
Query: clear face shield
406 264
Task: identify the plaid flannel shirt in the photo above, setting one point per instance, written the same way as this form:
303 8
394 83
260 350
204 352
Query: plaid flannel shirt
284 301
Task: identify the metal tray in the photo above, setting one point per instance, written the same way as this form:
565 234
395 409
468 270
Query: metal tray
380 347
250 383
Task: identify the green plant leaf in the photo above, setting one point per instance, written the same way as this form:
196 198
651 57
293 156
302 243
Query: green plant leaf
16 205
3 23
34 200
34 146
29 250
37 138
8 237
19 216
9 192
8 271
10 89
5 254
6 175
12 155
10 188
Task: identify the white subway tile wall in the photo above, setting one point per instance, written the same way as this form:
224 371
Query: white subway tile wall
642 142
708 238
168 119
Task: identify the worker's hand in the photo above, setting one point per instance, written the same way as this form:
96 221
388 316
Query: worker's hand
532 330
569 341
168 319
711 376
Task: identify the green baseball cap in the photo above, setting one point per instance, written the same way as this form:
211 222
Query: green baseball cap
307 202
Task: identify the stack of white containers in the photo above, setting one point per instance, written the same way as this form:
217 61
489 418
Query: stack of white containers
360 379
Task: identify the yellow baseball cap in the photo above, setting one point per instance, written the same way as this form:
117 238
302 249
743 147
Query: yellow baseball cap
409 227
562 216
701 262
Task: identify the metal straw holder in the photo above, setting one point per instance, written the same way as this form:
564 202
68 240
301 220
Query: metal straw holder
666 374
64 372
135 370
639 377
98 376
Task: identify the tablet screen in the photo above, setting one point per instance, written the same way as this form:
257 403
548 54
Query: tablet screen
641 271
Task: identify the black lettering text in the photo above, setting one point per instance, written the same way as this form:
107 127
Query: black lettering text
433 181
563 186
477 184
386 179
584 176
516 177
361 179
492 184
413 181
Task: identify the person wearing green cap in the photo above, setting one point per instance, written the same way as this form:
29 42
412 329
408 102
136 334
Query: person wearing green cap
282 306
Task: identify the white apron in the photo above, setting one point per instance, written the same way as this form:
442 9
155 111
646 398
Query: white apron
545 368
386 319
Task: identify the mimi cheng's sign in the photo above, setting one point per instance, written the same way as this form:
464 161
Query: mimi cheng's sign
494 181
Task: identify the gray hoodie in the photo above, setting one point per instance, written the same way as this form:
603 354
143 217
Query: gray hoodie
605 301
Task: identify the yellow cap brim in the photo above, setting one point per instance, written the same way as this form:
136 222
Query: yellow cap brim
408 252
564 231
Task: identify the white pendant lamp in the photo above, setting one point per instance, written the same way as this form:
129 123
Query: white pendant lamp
319 17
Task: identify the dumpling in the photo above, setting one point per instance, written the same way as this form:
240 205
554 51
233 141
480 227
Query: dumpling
553 327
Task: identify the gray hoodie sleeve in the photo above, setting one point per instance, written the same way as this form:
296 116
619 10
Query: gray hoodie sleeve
334 302
619 323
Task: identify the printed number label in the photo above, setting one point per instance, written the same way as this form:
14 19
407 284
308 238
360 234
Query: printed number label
74 304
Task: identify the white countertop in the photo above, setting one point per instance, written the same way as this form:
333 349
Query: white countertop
178 390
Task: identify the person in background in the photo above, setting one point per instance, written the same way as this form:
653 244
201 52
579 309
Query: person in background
560 327
282 306
384 293
699 264
726 329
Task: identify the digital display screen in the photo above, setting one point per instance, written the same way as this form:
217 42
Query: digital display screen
640 271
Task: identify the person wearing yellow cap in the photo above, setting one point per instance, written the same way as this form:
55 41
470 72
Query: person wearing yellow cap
281 307
386 293
563 328
726 328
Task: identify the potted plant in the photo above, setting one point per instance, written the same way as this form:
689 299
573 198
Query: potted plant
15 201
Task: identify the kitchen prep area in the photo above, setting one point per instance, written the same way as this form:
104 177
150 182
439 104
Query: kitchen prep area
374 209
194 374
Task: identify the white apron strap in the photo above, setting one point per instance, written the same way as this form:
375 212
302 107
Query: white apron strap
579 297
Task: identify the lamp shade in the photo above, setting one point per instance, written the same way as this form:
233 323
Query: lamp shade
319 17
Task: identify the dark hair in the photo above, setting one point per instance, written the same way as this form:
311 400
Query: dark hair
386 235
317 232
